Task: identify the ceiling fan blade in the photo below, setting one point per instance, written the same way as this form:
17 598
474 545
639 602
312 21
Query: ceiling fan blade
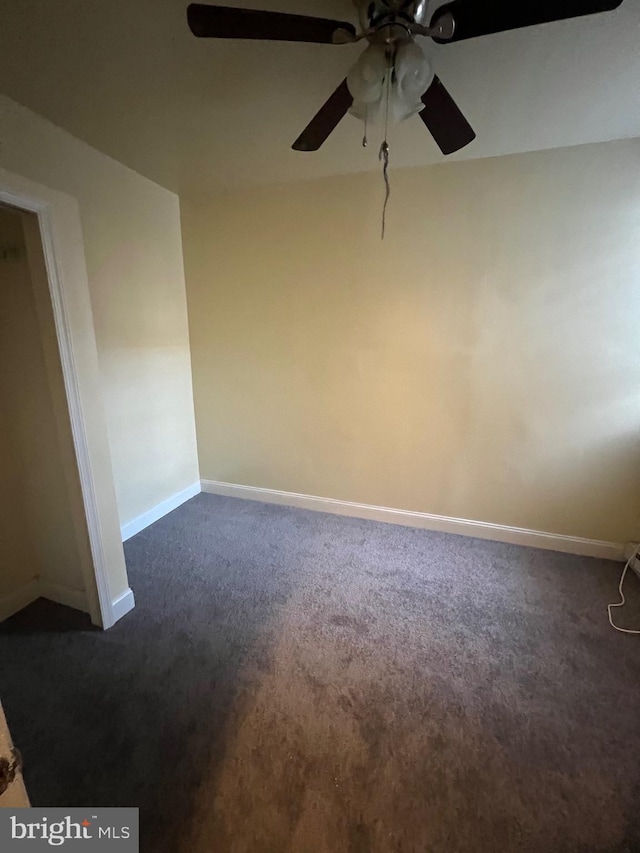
325 121
443 119
223 22
495 16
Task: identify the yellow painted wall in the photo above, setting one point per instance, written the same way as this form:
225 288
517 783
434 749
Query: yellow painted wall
17 557
37 537
133 250
481 363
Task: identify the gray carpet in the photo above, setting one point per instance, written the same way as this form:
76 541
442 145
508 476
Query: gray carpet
292 681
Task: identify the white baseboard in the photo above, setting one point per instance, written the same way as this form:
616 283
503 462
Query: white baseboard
18 599
121 605
426 521
155 513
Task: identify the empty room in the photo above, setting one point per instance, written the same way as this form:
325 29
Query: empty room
320 426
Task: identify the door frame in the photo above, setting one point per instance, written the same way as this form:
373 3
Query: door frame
108 594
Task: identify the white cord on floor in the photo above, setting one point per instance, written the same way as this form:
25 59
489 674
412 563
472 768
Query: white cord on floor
622 598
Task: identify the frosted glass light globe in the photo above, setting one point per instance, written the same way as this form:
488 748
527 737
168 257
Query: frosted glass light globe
411 76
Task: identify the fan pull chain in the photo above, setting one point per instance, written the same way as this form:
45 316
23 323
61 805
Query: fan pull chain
365 141
383 155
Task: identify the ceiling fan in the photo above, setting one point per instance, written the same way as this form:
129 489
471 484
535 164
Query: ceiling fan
393 68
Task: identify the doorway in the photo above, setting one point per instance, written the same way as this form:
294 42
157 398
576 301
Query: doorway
59 527
40 555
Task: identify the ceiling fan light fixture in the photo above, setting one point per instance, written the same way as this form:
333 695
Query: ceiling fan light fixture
410 75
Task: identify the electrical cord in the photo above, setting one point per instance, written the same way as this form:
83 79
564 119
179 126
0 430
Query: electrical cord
621 603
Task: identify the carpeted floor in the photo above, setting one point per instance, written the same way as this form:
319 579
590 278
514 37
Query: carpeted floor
292 681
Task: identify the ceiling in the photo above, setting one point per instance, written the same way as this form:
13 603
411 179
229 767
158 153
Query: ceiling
127 77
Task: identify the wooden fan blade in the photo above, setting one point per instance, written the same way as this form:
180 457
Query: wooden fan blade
443 119
325 121
495 16
223 22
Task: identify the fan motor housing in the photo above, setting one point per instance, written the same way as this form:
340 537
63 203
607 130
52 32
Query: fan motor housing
374 13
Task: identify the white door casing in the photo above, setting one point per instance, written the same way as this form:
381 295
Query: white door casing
96 522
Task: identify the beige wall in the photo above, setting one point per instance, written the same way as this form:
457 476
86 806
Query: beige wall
38 537
481 363
17 558
134 259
